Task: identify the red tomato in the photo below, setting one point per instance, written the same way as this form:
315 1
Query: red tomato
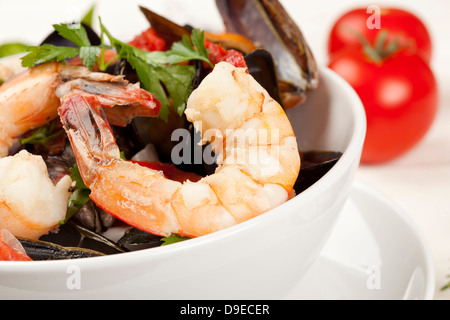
407 27
399 95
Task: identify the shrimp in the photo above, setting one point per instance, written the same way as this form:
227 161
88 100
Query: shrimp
30 204
228 102
31 99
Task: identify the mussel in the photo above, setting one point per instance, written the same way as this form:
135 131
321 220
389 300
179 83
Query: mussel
315 164
73 235
268 25
261 66
172 32
259 24
166 29
134 239
260 61
41 250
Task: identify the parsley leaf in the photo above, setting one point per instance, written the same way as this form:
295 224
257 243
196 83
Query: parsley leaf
43 135
73 32
9 49
176 79
79 197
172 239
446 287
47 53
76 177
89 55
185 50
77 200
159 72
178 82
89 17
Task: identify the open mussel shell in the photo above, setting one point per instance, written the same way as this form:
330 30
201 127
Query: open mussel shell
166 29
269 26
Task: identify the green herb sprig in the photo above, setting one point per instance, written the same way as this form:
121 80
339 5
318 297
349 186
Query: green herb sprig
79 196
43 135
172 239
9 49
48 52
159 72
447 286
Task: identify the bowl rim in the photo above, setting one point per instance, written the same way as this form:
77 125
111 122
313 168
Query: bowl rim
353 148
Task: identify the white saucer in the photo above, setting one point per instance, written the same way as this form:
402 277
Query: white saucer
374 253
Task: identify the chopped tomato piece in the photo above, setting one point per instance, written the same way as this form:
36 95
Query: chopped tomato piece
218 54
149 41
235 58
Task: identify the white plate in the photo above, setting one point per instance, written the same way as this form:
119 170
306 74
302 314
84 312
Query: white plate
375 252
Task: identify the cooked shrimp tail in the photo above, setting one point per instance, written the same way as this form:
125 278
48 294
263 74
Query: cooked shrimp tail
89 133
122 101
134 194
30 204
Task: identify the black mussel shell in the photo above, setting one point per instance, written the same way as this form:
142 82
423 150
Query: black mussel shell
93 218
166 29
41 250
73 235
135 239
262 67
195 161
315 164
123 68
55 39
128 140
267 24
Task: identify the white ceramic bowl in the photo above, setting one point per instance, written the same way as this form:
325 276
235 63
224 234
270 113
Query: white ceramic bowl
260 259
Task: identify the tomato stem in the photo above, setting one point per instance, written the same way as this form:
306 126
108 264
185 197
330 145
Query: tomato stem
382 48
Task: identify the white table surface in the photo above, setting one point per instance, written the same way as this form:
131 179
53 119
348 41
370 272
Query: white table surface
419 181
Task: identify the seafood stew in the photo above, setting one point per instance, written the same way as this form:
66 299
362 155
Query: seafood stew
100 138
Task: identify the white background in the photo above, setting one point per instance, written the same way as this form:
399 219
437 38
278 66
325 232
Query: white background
419 181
